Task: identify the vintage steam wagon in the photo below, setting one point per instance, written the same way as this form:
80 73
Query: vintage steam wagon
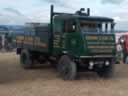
72 42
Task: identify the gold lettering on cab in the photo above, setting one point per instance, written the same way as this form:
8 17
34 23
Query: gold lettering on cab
101 51
101 47
56 41
91 38
104 38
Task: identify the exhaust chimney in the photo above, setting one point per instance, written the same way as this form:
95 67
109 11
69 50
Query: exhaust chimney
88 11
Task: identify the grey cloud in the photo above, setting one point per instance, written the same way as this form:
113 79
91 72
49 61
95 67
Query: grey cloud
122 25
14 11
12 16
112 1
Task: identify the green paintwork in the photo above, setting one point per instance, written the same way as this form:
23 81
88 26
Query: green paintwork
77 44
74 43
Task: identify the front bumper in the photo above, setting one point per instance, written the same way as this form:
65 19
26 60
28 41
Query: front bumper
97 59
98 56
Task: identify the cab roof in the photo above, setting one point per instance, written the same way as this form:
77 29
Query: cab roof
89 18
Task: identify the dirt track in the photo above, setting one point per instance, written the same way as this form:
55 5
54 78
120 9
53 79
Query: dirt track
43 81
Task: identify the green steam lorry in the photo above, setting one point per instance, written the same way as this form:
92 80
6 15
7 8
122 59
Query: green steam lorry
72 42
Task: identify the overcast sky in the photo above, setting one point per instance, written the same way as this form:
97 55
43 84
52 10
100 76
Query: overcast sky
21 11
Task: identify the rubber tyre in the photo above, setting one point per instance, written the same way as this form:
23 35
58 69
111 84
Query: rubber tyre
106 71
25 59
67 68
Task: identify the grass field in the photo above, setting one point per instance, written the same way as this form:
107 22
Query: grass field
44 81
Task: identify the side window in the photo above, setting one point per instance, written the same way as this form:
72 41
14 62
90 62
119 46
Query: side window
70 26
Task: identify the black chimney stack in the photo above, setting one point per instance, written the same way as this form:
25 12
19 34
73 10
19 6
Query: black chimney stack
88 11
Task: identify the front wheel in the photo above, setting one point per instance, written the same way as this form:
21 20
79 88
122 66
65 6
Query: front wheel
67 68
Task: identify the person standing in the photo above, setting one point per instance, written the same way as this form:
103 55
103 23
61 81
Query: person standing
119 53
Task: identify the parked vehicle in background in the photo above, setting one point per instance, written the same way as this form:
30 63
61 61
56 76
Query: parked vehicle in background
72 42
123 40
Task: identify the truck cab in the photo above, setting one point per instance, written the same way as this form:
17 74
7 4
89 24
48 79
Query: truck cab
83 36
88 40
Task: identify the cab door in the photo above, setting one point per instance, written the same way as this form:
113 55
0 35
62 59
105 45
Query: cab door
72 38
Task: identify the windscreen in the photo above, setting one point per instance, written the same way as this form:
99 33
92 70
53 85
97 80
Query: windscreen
86 26
96 27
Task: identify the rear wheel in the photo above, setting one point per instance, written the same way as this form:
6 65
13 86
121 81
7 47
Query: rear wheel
67 68
26 59
106 71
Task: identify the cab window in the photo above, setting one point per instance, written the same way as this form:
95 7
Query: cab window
88 27
70 26
107 27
